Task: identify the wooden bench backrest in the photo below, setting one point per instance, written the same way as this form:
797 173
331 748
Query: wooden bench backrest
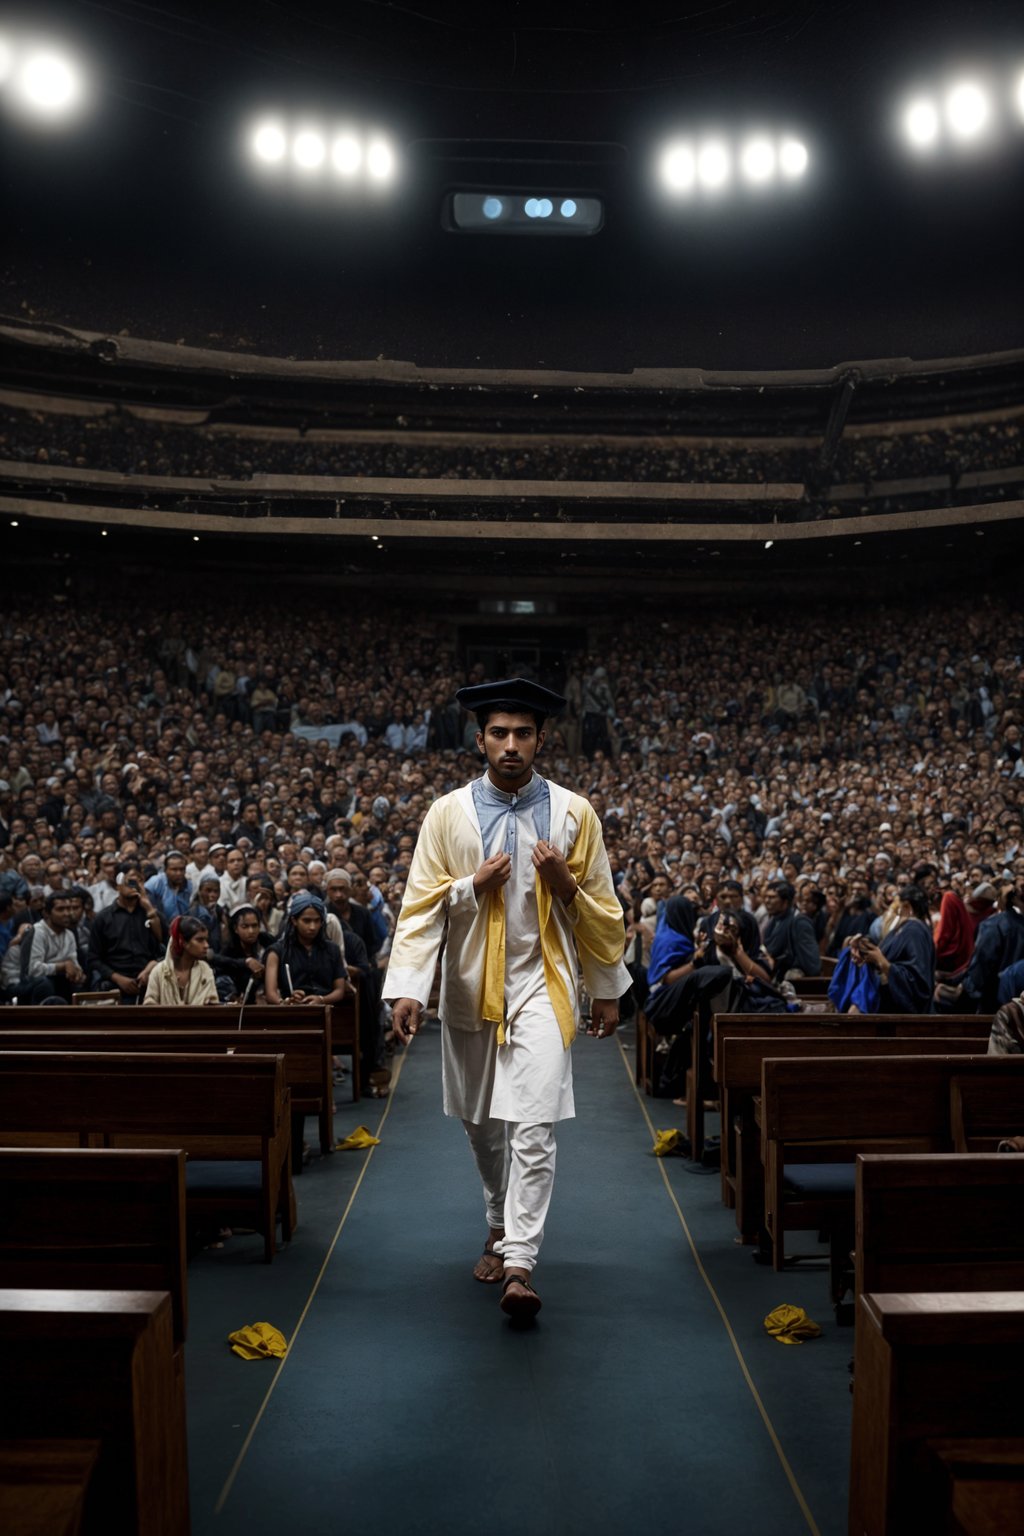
857 1099
983 1117
838 1026
301 1049
941 1222
95 1220
158 1095
740 1059
213 1016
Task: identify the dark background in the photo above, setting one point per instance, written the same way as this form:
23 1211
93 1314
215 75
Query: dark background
143 217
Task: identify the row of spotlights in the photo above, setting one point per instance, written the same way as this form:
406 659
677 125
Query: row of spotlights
966 113
711 164
346 154
40 80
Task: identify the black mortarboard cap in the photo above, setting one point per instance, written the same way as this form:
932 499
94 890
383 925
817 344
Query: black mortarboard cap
511 693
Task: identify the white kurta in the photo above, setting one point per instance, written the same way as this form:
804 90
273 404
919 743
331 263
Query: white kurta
529 1078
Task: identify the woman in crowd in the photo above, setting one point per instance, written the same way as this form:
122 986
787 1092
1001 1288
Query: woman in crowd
904 962
241 961
304 966
183 976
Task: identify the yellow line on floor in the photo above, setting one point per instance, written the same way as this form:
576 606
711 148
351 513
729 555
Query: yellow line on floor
225 1491
762 1410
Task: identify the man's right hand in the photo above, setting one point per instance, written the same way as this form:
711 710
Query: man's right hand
493 873
126 984
405 1019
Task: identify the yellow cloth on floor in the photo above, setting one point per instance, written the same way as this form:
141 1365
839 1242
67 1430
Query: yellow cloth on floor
356 1140
791 1325
258 1341
667 1142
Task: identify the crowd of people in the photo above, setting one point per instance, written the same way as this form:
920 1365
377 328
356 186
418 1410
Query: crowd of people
129 444
241 765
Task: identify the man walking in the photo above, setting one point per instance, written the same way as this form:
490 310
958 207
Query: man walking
516 867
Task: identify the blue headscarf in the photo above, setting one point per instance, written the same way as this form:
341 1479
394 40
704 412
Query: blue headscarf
303 899
673 941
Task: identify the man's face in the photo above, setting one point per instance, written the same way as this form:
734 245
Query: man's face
660 888
729 900
59 915
235 863
510 741
174 869
773 903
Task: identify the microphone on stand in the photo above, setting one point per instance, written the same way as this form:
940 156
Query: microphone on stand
245 998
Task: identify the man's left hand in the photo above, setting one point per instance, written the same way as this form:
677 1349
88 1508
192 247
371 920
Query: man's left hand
550 864
604 1016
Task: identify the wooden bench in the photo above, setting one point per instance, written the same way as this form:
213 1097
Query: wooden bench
100 1365
738 1072
231 1114
95 1220
339 1025
929 1367
816 1114
981 1120
766 1026
942 1222
978 1483
43 1484
307 1062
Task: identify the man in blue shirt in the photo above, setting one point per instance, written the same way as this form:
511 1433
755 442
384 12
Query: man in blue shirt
171 891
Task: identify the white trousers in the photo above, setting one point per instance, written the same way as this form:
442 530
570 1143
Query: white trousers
516 1163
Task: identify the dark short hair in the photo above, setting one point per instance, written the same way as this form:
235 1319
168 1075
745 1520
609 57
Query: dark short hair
784 889
730 885
52 900
506 707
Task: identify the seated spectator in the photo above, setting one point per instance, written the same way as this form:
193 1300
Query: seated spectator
125 943
206 906
789 941
171 890
304 966
182 977
241 961
999 943
678 979
53 957
905 960
1007 1037
232 883
15 986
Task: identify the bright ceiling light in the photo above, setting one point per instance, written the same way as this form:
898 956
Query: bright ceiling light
793 158
757 161
269 144
6 59
347 154
921 123
380 161
679 168
713 165
309 150
967 110
48 84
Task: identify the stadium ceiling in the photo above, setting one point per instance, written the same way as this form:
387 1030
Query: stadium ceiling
779 185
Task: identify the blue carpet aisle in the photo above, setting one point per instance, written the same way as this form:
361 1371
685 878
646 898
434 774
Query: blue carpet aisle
407 1404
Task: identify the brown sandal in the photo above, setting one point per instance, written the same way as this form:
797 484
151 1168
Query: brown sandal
521 1308
495 1265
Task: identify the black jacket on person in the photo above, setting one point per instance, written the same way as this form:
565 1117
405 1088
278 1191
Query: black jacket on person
121 941
789 939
